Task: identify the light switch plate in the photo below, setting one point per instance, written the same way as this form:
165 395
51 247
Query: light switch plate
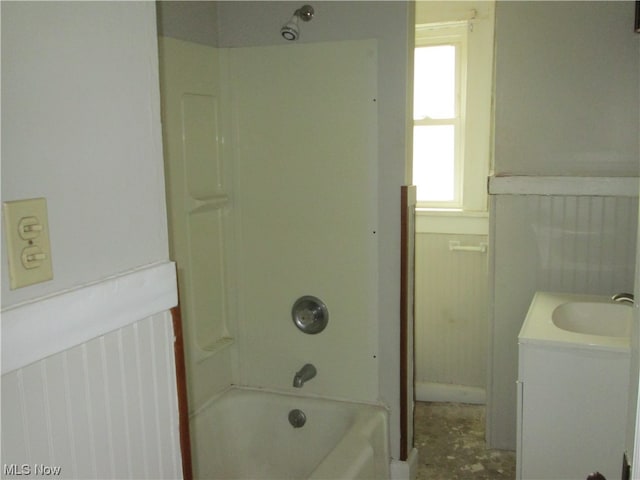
26 227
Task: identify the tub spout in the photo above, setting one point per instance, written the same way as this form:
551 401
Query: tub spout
623 297
305 374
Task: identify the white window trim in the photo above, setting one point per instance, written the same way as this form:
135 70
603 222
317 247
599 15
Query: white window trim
452 222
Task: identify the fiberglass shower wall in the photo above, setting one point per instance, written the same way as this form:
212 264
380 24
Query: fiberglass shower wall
272 197
305 145
200 208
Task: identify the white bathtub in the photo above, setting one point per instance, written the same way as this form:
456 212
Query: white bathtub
246 434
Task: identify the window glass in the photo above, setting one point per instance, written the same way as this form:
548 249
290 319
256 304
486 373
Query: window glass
434 163
435 81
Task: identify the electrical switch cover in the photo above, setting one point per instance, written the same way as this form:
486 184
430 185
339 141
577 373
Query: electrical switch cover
26 229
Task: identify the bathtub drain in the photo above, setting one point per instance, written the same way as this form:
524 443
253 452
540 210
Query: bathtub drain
297 418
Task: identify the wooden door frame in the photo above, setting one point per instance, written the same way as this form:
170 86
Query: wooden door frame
407 351
183 403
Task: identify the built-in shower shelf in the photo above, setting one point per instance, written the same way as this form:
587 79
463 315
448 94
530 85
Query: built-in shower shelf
203 353
205 204
563 185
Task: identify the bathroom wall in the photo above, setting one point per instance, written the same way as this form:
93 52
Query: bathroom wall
569 110
87 358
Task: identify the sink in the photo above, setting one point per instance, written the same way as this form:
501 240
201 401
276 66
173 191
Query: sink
577 321
594 318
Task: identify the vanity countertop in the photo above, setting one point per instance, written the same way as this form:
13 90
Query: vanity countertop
539 328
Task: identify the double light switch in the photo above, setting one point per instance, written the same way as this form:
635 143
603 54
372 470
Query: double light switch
27 234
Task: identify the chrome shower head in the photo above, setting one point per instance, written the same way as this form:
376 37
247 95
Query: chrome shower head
291 30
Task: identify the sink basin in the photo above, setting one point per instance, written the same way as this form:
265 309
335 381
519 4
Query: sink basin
569 320
594 318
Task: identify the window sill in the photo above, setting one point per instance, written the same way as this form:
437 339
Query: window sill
452 221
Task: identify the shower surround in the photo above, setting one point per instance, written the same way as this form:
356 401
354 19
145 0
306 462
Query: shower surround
306 164
287 204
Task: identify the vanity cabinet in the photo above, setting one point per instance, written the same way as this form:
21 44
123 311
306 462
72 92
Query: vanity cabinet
572 401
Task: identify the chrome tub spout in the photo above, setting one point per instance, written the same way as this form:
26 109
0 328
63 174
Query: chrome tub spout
305 374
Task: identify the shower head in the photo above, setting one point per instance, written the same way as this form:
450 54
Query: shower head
291 30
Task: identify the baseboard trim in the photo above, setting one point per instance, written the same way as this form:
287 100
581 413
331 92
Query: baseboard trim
405 470
444 392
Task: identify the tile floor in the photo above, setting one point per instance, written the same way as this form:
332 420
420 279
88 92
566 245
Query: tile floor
451 445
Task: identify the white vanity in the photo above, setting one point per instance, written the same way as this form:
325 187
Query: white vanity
573 376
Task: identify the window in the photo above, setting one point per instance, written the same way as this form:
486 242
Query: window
451 93
438 110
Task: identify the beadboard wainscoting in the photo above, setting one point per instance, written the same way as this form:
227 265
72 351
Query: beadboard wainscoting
104 409
89 381
451 317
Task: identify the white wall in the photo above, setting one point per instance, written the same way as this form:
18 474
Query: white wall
566 89
81 127
566 104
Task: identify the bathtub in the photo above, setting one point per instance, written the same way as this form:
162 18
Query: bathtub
246 434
